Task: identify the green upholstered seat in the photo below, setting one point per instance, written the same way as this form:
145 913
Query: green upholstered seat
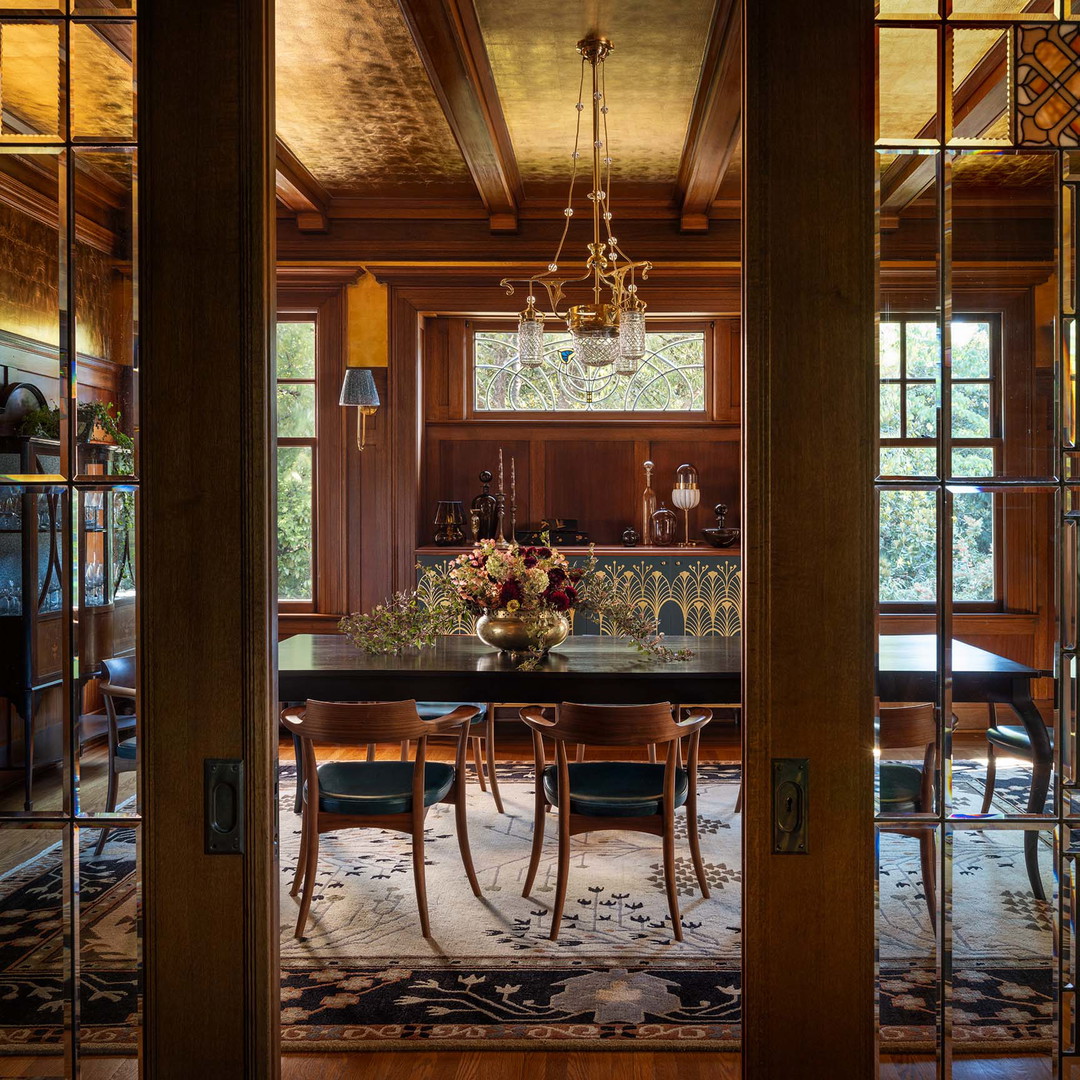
615 788
378 787
1013 738
900 785
126 749
432 710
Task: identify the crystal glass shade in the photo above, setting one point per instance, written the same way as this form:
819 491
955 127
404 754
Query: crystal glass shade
626 365
531 342
632 335
596 349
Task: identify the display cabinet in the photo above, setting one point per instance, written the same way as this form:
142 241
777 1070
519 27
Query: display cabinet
32 626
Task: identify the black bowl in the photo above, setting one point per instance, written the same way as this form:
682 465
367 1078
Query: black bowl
721 538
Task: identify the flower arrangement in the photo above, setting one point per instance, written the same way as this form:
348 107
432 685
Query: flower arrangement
518 580
532 583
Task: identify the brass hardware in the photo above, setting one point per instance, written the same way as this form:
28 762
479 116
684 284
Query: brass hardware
791 805
362 413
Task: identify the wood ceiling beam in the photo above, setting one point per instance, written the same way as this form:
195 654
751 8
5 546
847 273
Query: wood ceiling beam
715 120
298 191
447 36
978 102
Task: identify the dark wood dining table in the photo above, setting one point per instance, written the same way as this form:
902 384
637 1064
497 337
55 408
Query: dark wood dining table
602 670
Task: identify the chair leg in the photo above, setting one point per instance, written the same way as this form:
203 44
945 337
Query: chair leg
991 776
311 863
419 880
298 799
539 821
478 762
301 860
563 871
461 820
928 852
110 806
695 845
489 751
669 879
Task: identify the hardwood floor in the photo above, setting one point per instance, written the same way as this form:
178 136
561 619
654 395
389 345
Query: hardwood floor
536 1065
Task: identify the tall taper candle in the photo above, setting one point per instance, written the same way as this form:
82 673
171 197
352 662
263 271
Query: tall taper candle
513 481
501 488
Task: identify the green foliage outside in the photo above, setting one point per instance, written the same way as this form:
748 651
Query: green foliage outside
671 377
908 519
296 419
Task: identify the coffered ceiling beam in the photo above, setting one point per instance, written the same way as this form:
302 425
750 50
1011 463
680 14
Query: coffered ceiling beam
447 36
715 120
298 191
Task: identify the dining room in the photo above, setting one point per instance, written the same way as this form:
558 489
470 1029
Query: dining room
654 606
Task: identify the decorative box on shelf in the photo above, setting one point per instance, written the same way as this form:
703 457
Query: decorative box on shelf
696 592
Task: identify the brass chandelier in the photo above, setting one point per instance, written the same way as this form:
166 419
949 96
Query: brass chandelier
608 333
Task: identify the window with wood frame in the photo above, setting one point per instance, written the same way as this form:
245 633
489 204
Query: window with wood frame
673 376
310 441
909 409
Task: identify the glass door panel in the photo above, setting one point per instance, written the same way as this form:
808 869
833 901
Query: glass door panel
69 719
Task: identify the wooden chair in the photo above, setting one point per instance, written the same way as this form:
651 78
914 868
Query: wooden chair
118 693
616 795
482 738
376 794
1014 740
906 788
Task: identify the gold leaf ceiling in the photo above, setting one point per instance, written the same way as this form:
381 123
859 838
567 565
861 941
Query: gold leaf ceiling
651 78
354 102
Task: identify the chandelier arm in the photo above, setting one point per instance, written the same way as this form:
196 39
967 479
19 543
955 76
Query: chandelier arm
573 173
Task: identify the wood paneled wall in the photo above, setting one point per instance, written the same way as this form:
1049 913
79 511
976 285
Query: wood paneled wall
588 467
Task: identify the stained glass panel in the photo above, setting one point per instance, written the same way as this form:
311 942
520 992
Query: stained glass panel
670 378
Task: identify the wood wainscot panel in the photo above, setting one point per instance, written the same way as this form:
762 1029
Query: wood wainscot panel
595 482
451 471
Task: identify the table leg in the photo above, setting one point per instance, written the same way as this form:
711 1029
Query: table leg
1042 757
28 750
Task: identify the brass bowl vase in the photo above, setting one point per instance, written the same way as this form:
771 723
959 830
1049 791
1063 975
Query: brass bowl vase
512 634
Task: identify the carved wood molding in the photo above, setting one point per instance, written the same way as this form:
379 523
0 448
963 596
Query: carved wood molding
715 121
448 39
298 191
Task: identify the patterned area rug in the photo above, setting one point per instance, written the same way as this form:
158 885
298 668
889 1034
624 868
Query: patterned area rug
491 978
1002 937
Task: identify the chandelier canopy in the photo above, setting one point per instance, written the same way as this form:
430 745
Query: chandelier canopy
608 332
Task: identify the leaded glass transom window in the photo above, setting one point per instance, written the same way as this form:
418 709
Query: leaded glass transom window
671 377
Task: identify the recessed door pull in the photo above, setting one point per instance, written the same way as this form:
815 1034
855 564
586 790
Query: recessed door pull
790 779
223 816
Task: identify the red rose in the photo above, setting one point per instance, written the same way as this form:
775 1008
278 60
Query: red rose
543 553
559 601
530 561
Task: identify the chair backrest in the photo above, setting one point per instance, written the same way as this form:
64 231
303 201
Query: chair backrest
903 726
357 723
613 725
120 671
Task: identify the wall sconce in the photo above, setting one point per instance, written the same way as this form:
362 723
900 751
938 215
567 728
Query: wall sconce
358 388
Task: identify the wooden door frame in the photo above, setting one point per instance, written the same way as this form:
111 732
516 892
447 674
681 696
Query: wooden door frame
206 198
808 540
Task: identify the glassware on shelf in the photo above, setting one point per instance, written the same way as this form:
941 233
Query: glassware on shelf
10 601
93 502
448 519
648 506
11 512
94 583
686 495
662 527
